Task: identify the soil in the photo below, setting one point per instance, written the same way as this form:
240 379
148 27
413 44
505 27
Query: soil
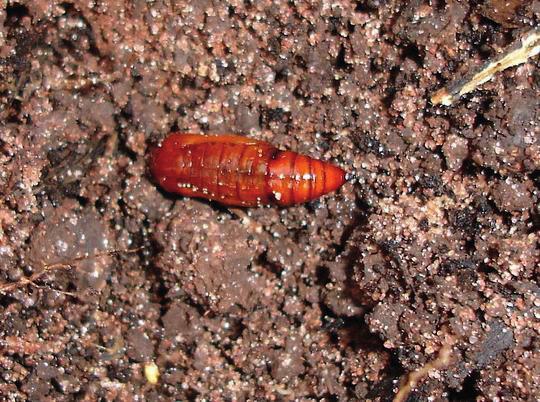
436 243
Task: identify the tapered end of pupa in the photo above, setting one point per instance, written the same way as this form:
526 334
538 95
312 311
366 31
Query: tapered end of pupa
294 178
334 178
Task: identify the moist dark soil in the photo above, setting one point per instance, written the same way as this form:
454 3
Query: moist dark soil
434 245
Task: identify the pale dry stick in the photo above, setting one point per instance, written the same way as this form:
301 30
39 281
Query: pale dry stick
528 46
7 287
412 379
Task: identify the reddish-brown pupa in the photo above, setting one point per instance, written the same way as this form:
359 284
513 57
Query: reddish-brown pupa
239 171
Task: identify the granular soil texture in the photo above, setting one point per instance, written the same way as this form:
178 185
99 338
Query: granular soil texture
434 247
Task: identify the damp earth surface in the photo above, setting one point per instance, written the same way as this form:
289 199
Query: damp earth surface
435 245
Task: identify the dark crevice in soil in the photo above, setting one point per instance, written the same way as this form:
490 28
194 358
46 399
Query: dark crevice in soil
368 6
469 391
384 388
86 31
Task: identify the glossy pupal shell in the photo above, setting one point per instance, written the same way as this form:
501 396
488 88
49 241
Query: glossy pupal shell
239 171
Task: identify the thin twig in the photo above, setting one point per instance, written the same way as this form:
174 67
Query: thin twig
528 46
413 379
32 279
